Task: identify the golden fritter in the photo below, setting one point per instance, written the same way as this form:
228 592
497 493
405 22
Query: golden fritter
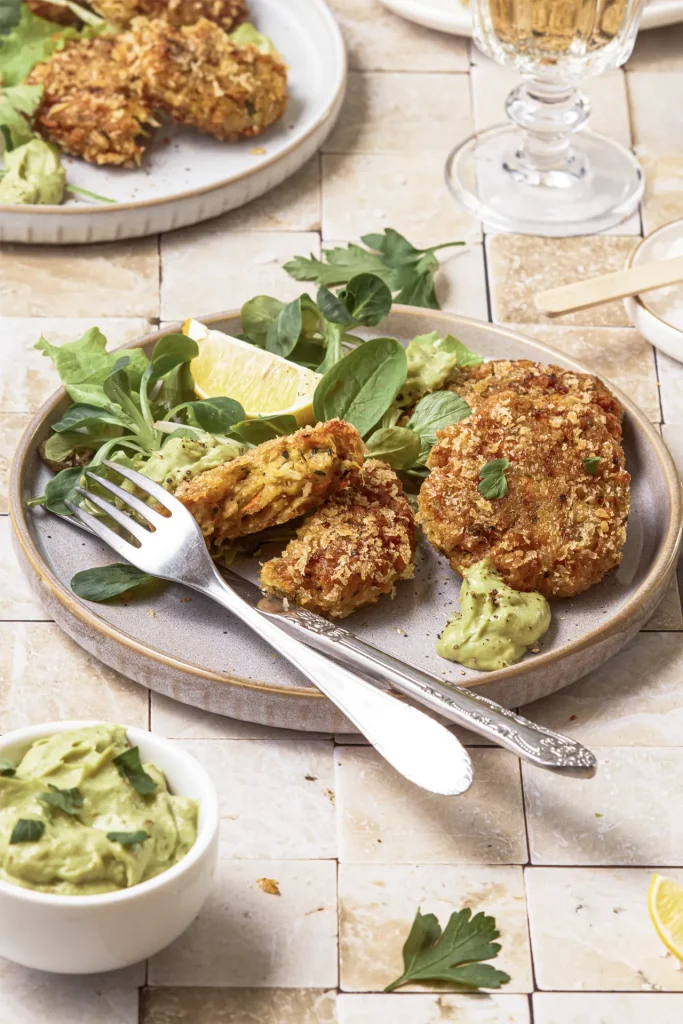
352 550
558 529
273 483
91 107
226 13
475 383
52 12
203 79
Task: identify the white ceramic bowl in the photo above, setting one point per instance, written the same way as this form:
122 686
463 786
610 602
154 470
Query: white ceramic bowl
89 934
648 312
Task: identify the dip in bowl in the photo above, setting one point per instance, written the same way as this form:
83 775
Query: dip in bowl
108 844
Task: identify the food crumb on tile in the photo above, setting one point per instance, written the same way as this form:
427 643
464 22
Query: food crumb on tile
269 885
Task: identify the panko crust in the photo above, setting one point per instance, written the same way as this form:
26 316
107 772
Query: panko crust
476 383
226 13
203 79
558 529
273 483
351 551
91 107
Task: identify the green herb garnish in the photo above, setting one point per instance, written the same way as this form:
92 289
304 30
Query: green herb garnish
68 800
107 581
492 479
7 768
130 767
453 955
591 464
27 830
128 838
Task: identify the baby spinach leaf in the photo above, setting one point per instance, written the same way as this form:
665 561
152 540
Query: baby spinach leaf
362 386
63 486
169 352
307 353
492 480
257 315
367 298
60 447
333 309
107 581
333 335
10 12
398 446
591 464
27 830
264 428
68 800
434 412
80 415
216 415
128 838
130 767
7 768
284 332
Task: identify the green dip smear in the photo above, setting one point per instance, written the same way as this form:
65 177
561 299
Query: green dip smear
182 458
496 625
34 175
73 856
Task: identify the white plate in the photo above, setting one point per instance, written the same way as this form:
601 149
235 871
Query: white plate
187 177
649 313
451 16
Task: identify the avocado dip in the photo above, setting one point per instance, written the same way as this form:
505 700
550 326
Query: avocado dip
80 815
496 625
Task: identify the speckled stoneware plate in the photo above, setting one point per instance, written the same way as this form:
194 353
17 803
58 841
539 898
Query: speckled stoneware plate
453 17
187 177
193 651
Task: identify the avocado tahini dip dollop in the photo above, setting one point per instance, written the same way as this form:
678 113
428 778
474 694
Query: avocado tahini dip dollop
80 815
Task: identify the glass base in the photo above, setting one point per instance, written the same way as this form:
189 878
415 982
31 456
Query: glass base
600 186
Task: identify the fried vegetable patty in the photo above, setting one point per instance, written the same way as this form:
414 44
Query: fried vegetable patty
558 529
226 13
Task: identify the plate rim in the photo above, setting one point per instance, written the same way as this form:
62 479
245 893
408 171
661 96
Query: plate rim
36 209
658 572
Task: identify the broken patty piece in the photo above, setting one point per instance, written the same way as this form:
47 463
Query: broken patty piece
203 79
91 105
226 13
351 551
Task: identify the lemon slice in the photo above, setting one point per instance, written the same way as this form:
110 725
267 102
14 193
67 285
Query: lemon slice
263 383
665 903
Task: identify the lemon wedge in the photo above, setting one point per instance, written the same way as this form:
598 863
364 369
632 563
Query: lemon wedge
665 904
263 383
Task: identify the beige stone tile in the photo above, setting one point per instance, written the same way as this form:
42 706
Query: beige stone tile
246 937
181 721
432 1009
621 817
378 905
657 124
603 1008
11 429
461 282
405 192
619 355
110 279
492 83
31 997
45 677
670 373
27 377
264 787
379 41
673 438
237 1006
663 201
206 270
590 931
402 113
522 265
659 49
292 206
384 819
668 615
633 700
16 600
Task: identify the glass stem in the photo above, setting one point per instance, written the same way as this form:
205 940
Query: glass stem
548 112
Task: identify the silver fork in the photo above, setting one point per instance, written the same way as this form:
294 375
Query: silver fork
173 548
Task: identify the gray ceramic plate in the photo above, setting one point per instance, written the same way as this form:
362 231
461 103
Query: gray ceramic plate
192 650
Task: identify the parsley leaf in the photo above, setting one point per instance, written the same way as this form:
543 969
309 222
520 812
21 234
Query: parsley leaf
7 768
492 480
454 954
128 838
68 800
591 464
342 264
27 830
130 767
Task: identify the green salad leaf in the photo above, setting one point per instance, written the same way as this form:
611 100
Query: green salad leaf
264 428
247 34
434 412
128 838
7 768
257 315
362 386
27 830
492 480
31 40
10 13
342 264
453 955
70 801
284 331
216 416
86 360
17 106
62 486
398 446
367 298
130 767
107 581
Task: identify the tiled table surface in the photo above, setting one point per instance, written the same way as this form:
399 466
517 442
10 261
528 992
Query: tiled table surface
563 865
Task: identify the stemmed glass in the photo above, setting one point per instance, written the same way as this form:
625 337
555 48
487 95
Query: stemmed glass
538 174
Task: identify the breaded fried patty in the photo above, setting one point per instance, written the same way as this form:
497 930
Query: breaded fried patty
52 12
558 529
91 106
203 79
476 383
352 550
273 483
226 13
